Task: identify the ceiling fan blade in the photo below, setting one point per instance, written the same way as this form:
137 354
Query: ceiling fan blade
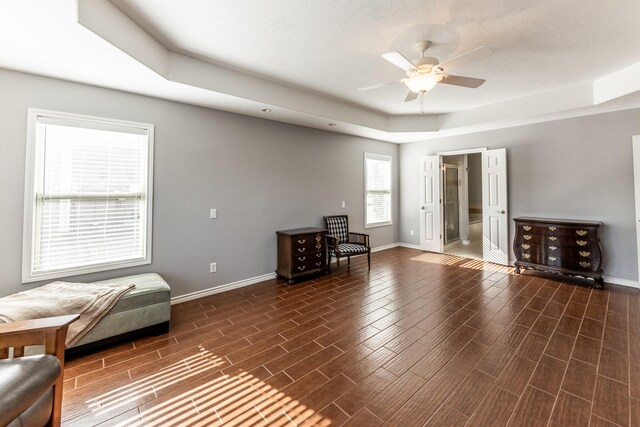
399 61
378 85
462 81
411 96
465 58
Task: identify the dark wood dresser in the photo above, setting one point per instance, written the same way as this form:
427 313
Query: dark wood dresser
301 252
560 246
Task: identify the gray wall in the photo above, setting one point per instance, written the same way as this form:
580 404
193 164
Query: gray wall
574 168
261 175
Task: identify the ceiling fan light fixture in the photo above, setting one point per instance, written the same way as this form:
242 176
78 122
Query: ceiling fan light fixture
422 82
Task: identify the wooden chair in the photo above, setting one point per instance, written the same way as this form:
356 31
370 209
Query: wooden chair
341 243
32 383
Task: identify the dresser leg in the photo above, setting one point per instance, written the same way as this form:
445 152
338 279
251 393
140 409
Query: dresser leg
598 283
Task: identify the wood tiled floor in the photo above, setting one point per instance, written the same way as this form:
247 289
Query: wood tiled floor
421 339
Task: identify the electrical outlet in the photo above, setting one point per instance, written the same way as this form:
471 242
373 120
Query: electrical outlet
344 204
213 267
411 232
213 213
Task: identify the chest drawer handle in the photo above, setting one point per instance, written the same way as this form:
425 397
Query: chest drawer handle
301 249
526 256
581 242
302 267
318 264
553 239
581 232
526 227
552 258
526 246
527 237
584 264
553 248
318 246
318 238
584 253
318 255
302 242
302 258
552 228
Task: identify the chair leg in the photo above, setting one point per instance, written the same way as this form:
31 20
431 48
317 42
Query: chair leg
338 262
348 260
369 259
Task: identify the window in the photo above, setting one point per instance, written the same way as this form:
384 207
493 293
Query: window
87 195
377 182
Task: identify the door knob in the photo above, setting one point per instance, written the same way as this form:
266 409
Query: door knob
423 208
502 211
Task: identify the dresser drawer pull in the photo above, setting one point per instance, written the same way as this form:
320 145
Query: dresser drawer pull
581 232
552 228
302 242
584 253
581 242
526 227
552 258
527 237
318 246
526 246
319 254
318 264
584 264
301 249
553 248
526 255
318 238
302 258
553 239
302 267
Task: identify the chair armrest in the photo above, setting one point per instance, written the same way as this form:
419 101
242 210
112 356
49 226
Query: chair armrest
332 241
360 238
50 331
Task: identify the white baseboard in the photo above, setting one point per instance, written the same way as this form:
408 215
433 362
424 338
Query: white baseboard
410 246
384 247
222 288
621 282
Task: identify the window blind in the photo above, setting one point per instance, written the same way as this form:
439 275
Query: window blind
90 195
378 189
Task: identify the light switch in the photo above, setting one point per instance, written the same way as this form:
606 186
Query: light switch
344 204
213 213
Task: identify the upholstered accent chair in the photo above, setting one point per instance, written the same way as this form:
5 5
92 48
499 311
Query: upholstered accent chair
31 386
341 243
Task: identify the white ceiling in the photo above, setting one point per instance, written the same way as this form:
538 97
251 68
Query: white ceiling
305 59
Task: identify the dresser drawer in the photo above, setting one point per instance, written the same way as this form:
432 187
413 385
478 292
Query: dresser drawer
310 264
307 243
558 230
557 241
304 259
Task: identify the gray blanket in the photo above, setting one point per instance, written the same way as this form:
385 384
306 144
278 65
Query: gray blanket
90 300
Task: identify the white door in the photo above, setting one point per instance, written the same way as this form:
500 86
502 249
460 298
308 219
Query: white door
636 184
495 217
430 204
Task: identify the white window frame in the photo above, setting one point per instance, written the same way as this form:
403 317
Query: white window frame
30 205
374 156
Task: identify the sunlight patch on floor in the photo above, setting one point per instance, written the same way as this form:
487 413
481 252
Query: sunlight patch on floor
434 258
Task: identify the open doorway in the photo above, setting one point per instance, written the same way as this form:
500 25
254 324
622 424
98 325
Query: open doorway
462 205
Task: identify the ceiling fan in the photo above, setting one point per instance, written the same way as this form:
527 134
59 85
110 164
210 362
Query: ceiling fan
425 72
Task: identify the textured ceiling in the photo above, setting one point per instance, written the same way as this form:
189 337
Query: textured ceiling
334 46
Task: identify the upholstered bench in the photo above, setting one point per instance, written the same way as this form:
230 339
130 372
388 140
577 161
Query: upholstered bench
145 309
